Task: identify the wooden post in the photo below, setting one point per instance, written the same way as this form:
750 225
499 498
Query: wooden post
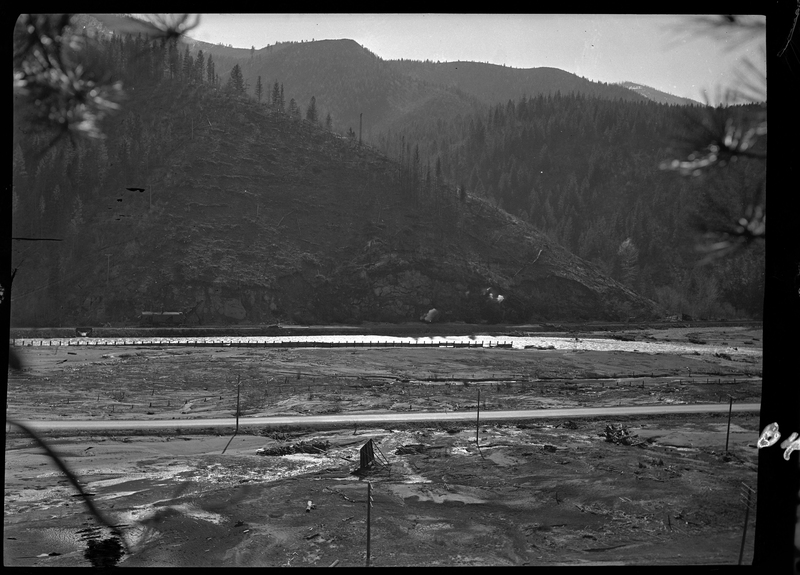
478 421
369 506
237 403
728 434
744 529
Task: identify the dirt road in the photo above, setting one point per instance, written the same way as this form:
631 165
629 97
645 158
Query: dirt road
377 418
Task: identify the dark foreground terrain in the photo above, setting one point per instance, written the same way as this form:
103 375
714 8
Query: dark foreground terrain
646 490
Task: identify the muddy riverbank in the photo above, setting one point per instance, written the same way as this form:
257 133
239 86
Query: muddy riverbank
540 493
549 493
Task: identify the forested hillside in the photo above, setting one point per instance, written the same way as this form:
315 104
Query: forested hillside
586 171
491 83
576 158
347 81
657 95
201 199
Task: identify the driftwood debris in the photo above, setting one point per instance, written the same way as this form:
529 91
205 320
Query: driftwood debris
300 447
619 434
411 449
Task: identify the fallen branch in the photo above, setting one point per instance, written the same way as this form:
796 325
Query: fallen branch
345 497
595 549
283 218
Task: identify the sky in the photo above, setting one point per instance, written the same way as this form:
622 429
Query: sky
659 51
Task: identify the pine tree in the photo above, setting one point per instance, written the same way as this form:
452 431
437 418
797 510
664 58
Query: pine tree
276 95
328 122
199 67
236 80
76 222
42 210
19 164
311 112
282 102
174 59
438 174
415 174
188 66
210 70
259 89
294 111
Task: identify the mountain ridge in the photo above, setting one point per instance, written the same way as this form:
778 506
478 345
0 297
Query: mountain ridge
353 84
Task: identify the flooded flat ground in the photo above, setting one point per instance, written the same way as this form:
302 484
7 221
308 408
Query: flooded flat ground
186 382
544 493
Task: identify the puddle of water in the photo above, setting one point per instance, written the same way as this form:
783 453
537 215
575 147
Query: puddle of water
425 494
121 477
409 476
61 536
138 534
308 458
414 478
722 427
61 494
118 494
502 459
197 513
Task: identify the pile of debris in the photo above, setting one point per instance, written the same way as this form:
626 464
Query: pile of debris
411 449
619 434
300 447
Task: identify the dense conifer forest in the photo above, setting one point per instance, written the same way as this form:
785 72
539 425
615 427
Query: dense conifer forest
588 172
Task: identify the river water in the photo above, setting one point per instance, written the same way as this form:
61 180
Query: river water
477 341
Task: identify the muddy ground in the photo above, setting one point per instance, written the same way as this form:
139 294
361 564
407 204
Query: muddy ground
550 492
